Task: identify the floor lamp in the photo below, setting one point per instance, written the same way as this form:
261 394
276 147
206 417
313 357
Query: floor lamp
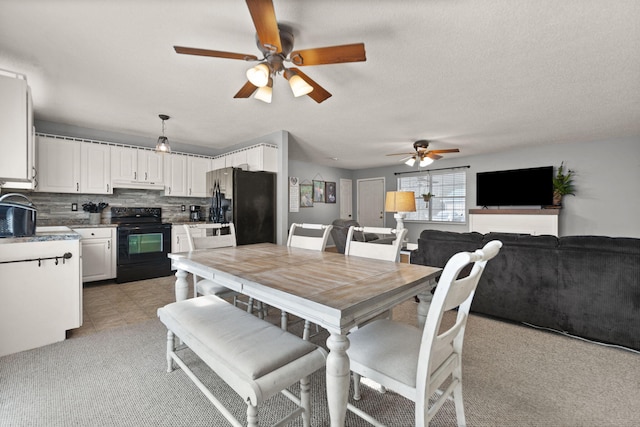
400 202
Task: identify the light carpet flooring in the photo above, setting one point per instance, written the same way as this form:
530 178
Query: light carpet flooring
112 372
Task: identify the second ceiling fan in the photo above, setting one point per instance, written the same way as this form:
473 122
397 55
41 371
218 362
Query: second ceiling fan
275 41
422 154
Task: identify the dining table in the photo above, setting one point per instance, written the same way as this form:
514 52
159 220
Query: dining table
334 291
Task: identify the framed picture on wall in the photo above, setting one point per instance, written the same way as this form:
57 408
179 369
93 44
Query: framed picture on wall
306 195
318 191
329 192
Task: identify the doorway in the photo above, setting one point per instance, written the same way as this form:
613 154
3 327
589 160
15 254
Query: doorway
371 202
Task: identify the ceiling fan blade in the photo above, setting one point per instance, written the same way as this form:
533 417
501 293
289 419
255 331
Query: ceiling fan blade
448 150
433 156
329 55
264 19
246 90
214 53
318 93
401 154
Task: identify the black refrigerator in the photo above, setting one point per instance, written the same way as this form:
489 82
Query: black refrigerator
250 204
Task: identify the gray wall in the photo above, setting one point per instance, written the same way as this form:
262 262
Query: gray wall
606 180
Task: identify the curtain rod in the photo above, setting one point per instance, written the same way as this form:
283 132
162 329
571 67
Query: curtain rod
431 170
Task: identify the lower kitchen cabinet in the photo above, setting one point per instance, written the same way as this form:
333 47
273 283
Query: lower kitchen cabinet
98 253
179 240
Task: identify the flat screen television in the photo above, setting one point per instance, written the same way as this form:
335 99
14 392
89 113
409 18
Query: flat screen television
516 187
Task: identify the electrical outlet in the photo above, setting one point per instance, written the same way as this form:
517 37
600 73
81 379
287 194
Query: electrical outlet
74 207
183 208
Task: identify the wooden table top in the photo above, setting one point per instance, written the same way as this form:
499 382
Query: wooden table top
328 288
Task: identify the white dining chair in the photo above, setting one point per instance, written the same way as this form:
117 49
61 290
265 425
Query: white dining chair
389 251
306 236
218 236
414 362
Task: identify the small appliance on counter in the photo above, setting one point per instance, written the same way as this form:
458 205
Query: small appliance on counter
17 219
195 213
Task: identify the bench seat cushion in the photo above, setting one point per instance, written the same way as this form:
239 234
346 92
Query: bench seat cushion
249 345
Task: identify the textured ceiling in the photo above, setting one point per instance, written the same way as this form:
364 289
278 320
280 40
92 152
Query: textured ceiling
481 76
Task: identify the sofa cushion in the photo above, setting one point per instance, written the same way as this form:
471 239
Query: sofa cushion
520 283
599 288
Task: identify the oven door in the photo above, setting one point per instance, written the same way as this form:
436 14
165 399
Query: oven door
142 251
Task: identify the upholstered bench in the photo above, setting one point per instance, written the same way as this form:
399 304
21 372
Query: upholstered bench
254 357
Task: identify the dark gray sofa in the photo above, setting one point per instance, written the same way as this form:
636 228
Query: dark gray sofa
587 286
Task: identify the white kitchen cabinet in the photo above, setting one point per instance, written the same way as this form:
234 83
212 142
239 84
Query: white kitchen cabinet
16 133
262 158
150 166
95 168
98 253
218 163
39 300
175 182
197 168
58 165
236 158
124 163
131 166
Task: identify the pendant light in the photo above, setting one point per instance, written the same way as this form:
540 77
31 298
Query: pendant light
163 142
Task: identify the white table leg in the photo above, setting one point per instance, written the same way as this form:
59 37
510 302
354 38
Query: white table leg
423 308
182 286
338 375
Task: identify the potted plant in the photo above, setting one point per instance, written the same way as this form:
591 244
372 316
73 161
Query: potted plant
562 184
95 211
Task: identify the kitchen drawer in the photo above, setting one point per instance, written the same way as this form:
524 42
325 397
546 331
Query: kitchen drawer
94 233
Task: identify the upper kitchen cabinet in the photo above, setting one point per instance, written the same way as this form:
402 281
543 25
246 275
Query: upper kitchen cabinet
71 166
58 165
95 169
262 158
175 177
197 168
16 132
136 167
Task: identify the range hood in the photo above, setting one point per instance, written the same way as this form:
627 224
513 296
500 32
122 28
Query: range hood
138 185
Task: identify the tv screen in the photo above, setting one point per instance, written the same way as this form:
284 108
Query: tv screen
517 187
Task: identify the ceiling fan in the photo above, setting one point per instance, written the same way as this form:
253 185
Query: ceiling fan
275 41
423 154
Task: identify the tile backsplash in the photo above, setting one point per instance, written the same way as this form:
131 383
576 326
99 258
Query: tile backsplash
55 208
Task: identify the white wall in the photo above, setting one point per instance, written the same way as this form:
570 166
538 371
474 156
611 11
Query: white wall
607 174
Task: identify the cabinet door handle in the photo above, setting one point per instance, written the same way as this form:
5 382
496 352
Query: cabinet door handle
169 190
109 244
77 186
135 175
177 240
107 188
146 178
189 191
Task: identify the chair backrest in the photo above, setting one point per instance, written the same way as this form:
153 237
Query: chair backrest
316 242
441 348
381 251
339 232
217 236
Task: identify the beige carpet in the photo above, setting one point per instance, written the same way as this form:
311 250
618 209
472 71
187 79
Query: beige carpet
513 376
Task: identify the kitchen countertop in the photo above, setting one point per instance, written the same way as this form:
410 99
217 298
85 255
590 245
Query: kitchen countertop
45 234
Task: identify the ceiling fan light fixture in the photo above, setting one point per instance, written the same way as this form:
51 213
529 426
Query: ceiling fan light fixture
259 75
265 93
162 146
425 161
410 161
298 86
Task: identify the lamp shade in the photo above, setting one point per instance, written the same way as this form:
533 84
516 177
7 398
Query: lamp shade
265 93
400 201
259 75
298 86
425 161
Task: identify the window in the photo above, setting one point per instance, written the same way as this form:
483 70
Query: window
449 189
